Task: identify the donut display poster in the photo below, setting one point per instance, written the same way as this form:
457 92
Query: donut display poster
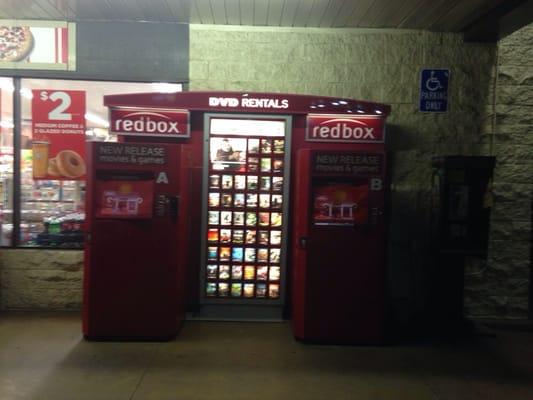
58 145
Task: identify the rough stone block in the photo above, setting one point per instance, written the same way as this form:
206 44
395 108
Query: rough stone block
515 75
513 153
515 55
513 173
245 86
515 95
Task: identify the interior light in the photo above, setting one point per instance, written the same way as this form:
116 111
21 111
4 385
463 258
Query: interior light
321 105
343 102
26 93
378 111
7 84
164 87
334 103
96 119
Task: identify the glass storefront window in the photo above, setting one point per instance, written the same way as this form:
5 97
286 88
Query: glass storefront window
6 161
51 210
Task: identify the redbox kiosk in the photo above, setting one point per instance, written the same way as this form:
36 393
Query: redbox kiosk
136 240
271 218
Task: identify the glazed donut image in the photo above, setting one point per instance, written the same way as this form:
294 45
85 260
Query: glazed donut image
70 164
52 167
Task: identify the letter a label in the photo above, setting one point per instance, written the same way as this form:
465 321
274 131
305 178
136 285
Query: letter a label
162 178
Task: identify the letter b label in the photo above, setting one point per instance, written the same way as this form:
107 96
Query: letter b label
376 184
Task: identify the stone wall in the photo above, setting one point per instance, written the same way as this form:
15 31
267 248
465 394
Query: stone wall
40 279
501 287
375 65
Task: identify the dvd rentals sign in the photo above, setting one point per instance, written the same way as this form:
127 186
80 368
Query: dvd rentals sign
150 122
58 142
343 128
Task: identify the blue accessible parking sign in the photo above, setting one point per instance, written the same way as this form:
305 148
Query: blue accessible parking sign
434 90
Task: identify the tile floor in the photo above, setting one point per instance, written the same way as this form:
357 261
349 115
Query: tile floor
43 356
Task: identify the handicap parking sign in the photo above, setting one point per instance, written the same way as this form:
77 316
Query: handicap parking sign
434 90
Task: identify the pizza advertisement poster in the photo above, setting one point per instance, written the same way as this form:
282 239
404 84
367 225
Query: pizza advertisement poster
340 204
58 127
48 45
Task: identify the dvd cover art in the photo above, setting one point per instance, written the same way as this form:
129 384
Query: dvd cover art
226 200
214 181
262 255
236 272
253 146
211 289
251 219
223 289
249 254
266 165
261 290
277 165
238 236
253 164
237 254
212 271
249 290
251 200
275 255
266 145
277 184
212 235
240 182
223 272
249 272
227 154
274 274
265 183
227 182
262 273
251 182
225 235
213 217
275 238
224 253
273 290
236 289
212 252
238 218
264 219
225 218
251 235
214 199
262 238
264 201
275 219
279 146
238 200
276 201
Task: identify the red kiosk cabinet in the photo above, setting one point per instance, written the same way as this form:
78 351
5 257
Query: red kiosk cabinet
338 238
135 250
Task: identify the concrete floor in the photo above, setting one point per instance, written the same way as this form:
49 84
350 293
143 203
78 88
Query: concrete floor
43 356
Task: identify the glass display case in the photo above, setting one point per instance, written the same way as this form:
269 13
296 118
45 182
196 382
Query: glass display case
245 198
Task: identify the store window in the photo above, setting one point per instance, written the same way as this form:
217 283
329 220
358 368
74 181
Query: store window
6 161
52 194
